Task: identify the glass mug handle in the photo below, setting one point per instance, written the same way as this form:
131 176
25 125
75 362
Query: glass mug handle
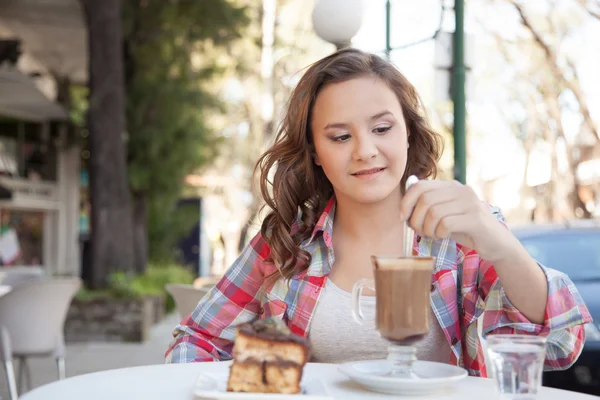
357 312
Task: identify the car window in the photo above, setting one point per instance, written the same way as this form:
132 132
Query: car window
575 253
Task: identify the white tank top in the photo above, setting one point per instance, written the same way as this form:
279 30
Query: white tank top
336 338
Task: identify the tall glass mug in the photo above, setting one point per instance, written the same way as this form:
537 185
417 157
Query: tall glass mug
402 290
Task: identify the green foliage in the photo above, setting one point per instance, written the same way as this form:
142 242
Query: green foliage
169 63
163 233
151 283
79 104
85 294
155 279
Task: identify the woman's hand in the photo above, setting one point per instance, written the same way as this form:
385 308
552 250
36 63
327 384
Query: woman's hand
442 209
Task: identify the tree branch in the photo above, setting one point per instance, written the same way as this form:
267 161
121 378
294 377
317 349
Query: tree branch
552 59
595 14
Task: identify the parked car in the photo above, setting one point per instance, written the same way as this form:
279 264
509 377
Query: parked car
573 248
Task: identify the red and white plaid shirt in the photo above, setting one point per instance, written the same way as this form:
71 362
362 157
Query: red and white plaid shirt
463 287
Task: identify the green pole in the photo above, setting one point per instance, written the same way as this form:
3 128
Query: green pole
458 94
388 39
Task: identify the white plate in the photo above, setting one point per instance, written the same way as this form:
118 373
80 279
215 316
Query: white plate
434 377
214 387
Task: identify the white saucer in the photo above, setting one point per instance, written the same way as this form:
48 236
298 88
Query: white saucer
214 387
434 377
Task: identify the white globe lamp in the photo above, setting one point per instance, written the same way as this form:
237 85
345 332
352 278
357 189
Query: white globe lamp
337 21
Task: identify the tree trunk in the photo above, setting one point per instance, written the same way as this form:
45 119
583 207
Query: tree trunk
112 233
140 217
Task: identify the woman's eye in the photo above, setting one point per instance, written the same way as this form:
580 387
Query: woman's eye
382 129
341 138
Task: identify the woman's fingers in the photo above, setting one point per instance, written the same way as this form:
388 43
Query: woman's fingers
424 207
440 209
444 219
420 189
435 199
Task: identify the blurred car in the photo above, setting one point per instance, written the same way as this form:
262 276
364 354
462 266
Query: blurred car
573 248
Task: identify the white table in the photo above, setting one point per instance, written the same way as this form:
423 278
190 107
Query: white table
176 382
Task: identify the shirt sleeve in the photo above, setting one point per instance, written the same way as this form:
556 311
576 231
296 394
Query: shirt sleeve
207 334
564 319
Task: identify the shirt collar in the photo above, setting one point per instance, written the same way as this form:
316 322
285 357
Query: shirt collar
325 223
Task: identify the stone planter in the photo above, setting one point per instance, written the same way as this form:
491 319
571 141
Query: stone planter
106 319
159 307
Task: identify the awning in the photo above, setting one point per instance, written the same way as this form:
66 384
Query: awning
20 98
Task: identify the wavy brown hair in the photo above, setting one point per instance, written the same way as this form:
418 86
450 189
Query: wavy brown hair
298 186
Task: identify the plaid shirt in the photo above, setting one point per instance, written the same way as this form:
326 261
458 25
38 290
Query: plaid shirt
463 288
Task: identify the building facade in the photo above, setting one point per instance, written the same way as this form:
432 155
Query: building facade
42 51
39 205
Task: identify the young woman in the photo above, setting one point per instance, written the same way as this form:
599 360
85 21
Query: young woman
353 132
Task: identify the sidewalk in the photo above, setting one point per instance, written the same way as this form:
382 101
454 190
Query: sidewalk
83 358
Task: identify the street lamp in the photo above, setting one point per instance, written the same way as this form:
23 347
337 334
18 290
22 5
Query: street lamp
337 21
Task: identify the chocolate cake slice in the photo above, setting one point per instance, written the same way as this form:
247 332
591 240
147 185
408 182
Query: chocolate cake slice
267 358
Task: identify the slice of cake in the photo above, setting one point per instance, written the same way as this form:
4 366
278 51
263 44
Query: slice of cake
267 358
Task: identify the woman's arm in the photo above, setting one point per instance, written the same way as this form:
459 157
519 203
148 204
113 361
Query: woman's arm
563 312
564 315
448 209
208 333
517 294
523 280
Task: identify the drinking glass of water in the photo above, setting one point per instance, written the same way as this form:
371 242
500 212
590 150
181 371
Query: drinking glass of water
517 364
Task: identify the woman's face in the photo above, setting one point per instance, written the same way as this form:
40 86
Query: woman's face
360 139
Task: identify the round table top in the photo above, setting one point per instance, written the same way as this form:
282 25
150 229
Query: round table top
177 381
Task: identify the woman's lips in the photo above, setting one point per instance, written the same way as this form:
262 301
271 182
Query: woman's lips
368 173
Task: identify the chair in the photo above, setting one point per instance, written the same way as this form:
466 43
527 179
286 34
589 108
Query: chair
186 297
14 276
206 281
32 318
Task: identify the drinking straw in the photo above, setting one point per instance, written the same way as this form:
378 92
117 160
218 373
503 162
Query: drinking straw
409 233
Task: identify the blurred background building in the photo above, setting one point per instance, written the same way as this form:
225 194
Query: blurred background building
42 47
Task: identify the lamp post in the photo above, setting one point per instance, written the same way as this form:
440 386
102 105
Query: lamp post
458 94
388 29
457 81
337 21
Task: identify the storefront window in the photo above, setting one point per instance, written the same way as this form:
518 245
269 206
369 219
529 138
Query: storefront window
21 237
9 163
31 155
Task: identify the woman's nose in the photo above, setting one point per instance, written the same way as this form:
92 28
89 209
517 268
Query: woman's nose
364 149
